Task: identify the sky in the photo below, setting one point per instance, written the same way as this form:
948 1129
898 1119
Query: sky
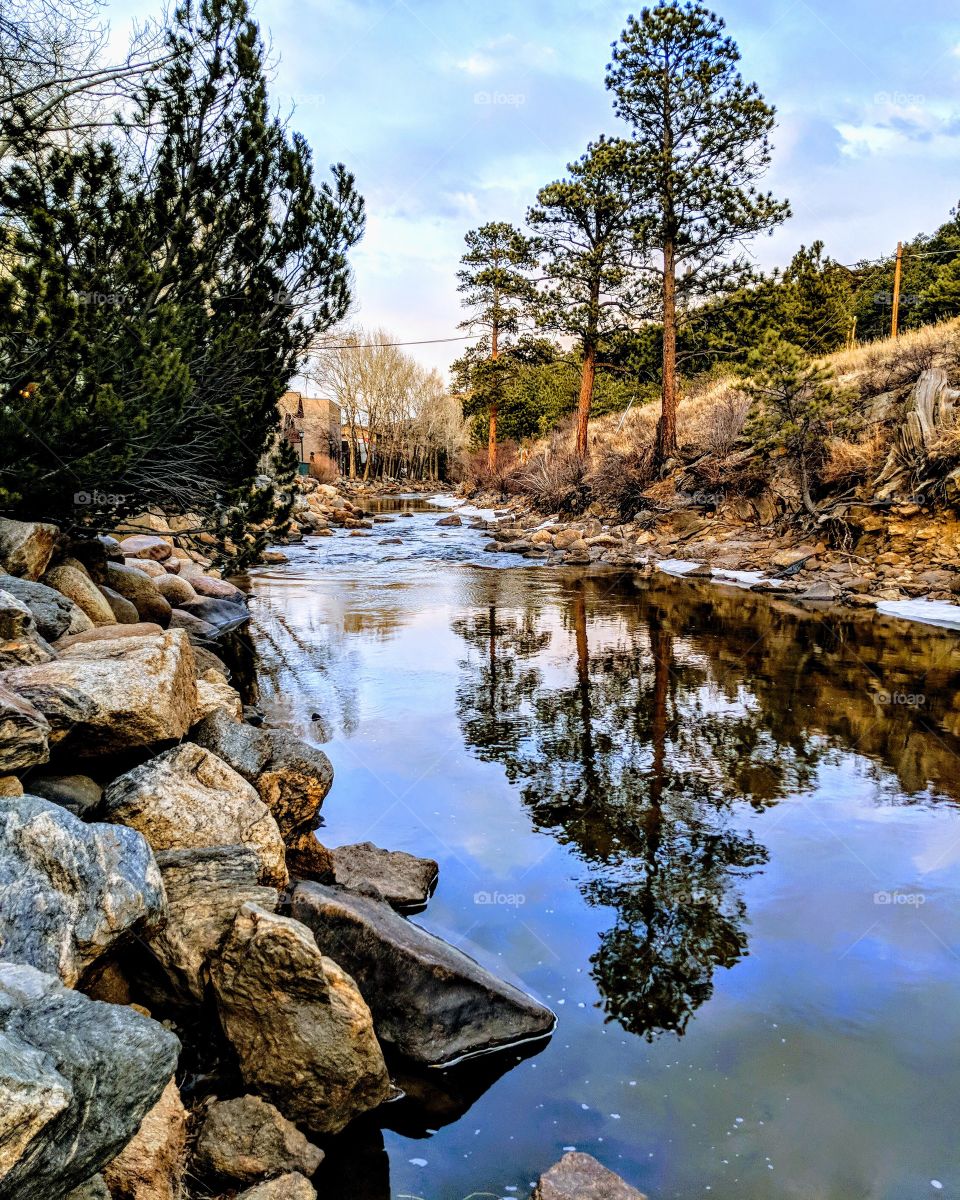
452 113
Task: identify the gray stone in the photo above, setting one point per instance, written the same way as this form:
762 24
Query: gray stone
291 777
300 1028
70 891
247 1139
223 615
20 640
77 1077
78 794
124 610
56 616
24 732
26 546
429 1000
94 1189
403 880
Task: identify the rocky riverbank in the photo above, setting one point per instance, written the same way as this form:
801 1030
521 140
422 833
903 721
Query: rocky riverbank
195 993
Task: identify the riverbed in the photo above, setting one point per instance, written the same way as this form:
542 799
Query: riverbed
719 836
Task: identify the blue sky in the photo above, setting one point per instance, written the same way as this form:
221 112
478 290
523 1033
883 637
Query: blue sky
454 113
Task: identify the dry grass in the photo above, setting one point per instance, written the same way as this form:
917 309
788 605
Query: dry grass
850 462
324 469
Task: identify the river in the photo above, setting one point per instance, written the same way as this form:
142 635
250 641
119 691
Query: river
718 836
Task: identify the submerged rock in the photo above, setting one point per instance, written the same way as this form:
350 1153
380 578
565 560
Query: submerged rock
579 1176
187 798
247 1139
429 1000
300 1028
77 1077
402 879
70 891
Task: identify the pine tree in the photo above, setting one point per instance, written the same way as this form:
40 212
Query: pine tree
586 235
817 301
495 284
700 141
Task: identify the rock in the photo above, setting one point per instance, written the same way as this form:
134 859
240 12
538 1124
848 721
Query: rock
820 591
10 785
205 890
80 588
291 777
54 614
148 523
136 587
451 520
124 611
76 1079
26 547
194 626
791 557
214 694
20 642
78 794
301 1030
187 798
112 696
24 732
285 1187
218 589
69 891
248 1139
143 545
401 879
308 859
274 557
579 1176
107 633
94 1189
429 1000
223 615
564 539
175 590
151 1166
206 661
147 566
111 547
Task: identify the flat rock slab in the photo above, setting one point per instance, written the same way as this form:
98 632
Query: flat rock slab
403 880
111 696
77 1077
580 1177
70 891
430 1001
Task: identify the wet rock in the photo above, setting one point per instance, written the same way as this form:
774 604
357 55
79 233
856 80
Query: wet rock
113 695
78 794
70 891
402 879
54 614
822 590
274 557
291 777
144 545
579 1176
223 615
205 890
134 585
26 547
77 1077
124 611
286 1187
151 1166
24 732
451 520
301 1030
71 582
428 999
248 1139
193 626
187 799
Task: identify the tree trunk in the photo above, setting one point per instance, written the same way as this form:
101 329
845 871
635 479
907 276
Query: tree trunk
351 443
586 399
666 445
492 439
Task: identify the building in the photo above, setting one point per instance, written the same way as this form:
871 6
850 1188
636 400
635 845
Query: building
312 425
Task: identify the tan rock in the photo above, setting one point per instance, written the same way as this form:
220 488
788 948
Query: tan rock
26 547
579 1176
285 1187
147 566
136 587
124 612
247 1139
151 1165
205 585
145 546
175 589
213 692
10 785
107 633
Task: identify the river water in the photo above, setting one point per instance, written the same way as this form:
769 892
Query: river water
718 836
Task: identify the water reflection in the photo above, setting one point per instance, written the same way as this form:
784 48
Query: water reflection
638 720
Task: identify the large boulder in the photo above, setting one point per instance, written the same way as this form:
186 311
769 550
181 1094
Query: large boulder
24 732
26 547
70 891
124 610
77 1077
187 798
113 695
174 589
20 642
137 587
151 1166
205 889
247 1139
579 1176
300 1028
291 777
71 582
108 633
403 880
55 614
429 1000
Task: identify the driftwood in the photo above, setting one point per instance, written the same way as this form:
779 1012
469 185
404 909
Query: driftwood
929 411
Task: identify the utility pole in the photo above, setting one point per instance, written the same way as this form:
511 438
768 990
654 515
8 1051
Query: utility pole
895 322
852 338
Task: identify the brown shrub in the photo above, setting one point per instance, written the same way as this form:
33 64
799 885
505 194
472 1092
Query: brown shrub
555 481
476 473
324 469
618 479
850 462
